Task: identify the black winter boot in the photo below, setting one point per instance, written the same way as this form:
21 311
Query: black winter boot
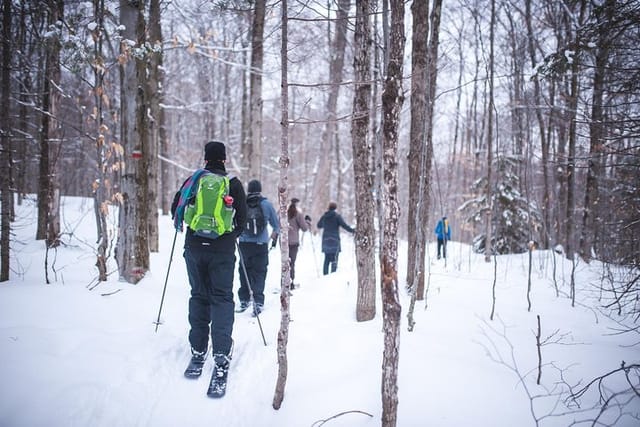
194 370
218 383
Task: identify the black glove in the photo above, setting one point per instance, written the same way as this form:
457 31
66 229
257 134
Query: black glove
307 218
273 243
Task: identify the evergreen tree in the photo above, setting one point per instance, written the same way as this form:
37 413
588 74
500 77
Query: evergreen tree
515 221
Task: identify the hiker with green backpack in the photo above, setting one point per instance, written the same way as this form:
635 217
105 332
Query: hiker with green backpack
213 206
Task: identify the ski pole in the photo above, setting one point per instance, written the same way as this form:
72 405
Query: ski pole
313 249
246 277
173 245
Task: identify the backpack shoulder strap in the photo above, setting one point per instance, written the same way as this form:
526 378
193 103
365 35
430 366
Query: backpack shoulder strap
187 191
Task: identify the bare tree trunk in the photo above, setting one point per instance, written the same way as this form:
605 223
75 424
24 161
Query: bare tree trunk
544 141
454 175
283 196
53 77
336 67
592 215
417 147
427 155
5 143
488 248
362 166
100 192
380 68
392 99
154 89
21 143
245 136
571 159
132 252
252 148
47 188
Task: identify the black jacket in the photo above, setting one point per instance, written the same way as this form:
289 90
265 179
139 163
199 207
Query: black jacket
226 242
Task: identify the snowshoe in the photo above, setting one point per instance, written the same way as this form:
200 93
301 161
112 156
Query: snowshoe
218 384
194 369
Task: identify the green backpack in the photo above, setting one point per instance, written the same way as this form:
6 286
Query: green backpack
210 213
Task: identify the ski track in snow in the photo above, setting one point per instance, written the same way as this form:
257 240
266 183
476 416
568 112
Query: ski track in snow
99 362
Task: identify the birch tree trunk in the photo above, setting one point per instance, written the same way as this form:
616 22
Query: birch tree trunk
283 196
392 99
336 67
362 166
252 148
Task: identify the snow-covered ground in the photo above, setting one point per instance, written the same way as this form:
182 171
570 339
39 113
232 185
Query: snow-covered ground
76 354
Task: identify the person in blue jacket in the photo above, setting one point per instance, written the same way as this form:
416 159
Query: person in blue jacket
254 249
331 222
443 233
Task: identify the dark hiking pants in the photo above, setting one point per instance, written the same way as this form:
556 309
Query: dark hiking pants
442 245
255 258
293 254
211 302
330 259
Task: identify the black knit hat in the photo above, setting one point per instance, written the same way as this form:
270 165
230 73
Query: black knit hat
254 186
215 150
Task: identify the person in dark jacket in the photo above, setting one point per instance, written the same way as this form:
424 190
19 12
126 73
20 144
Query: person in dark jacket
330 222
254 250
297 222
210 267
443 234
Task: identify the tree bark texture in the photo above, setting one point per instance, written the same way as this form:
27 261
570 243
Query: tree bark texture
488 247
132 252
101 194
362 166
572 138
283 196
154 89
592 213
50 145
5 143
392 99
544 141
252 148
417 147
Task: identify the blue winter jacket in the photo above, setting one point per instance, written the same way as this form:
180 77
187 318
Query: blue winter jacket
331 222
443 230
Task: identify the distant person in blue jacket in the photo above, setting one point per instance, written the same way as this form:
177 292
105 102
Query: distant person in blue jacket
254 247
443 233
331 222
